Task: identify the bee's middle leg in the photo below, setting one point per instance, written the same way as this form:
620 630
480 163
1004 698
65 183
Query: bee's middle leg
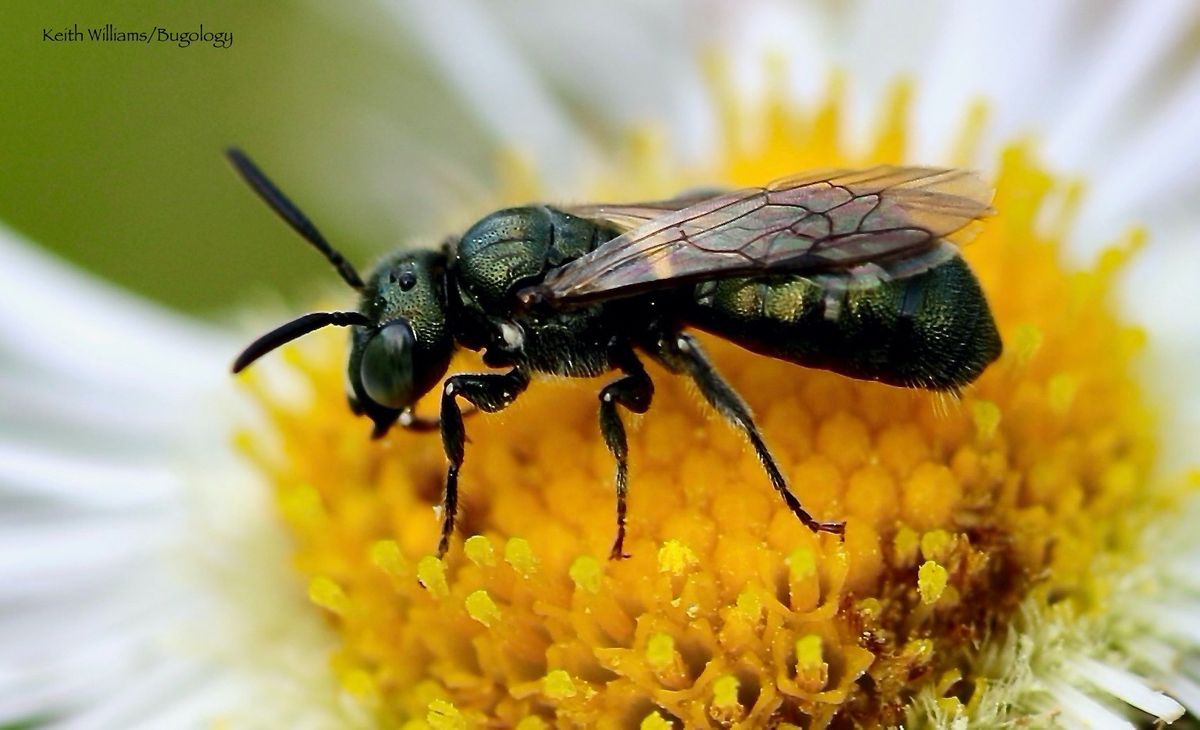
489 392
633 392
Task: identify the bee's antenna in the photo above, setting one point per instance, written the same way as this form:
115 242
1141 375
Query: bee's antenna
290 213
299 327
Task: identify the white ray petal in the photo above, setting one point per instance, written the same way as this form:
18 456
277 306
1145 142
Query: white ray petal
876 56
36 409
1152 651
54 553
65 677
1130 689
1028 63
1159 292
874 53
966 61
1186 691
494 80
1083 711
1136 39
750 34
573 44
1159 168
951 76
1177 621
34 470
145 695
115 485
59 319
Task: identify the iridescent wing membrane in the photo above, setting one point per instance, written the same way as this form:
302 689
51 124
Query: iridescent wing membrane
819 222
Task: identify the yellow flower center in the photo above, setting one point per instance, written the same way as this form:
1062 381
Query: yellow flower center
730 610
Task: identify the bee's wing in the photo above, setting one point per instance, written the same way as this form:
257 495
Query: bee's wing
628 216
827 221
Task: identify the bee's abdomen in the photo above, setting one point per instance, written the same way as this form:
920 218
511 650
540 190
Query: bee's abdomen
933 330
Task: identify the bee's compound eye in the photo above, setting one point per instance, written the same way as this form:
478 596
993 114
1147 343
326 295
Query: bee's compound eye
387 365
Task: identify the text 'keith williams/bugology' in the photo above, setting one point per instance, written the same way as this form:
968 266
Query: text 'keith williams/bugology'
110 33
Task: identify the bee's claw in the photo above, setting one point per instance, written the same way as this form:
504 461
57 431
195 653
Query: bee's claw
834 528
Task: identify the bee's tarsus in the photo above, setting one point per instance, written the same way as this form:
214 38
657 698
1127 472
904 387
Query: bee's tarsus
833 528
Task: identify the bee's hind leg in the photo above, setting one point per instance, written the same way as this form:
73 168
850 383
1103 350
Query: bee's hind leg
682 353
634 392
489 392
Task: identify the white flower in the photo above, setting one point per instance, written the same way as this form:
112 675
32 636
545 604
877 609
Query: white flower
144 580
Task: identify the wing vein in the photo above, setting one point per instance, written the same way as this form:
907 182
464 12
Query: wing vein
825 221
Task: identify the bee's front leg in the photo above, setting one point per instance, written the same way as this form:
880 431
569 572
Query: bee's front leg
410 421
488 392
633 392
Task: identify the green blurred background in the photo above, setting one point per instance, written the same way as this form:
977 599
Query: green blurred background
111 153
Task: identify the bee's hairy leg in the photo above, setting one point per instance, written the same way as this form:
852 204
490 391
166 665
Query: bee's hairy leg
489 392
682 353
633 392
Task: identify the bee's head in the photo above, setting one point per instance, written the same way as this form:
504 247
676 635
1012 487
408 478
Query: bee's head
405 350
401 342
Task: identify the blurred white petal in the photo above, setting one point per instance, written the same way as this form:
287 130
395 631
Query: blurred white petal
495 82
1132 43
137 562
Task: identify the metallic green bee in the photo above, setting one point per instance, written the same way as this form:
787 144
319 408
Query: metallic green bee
847 270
